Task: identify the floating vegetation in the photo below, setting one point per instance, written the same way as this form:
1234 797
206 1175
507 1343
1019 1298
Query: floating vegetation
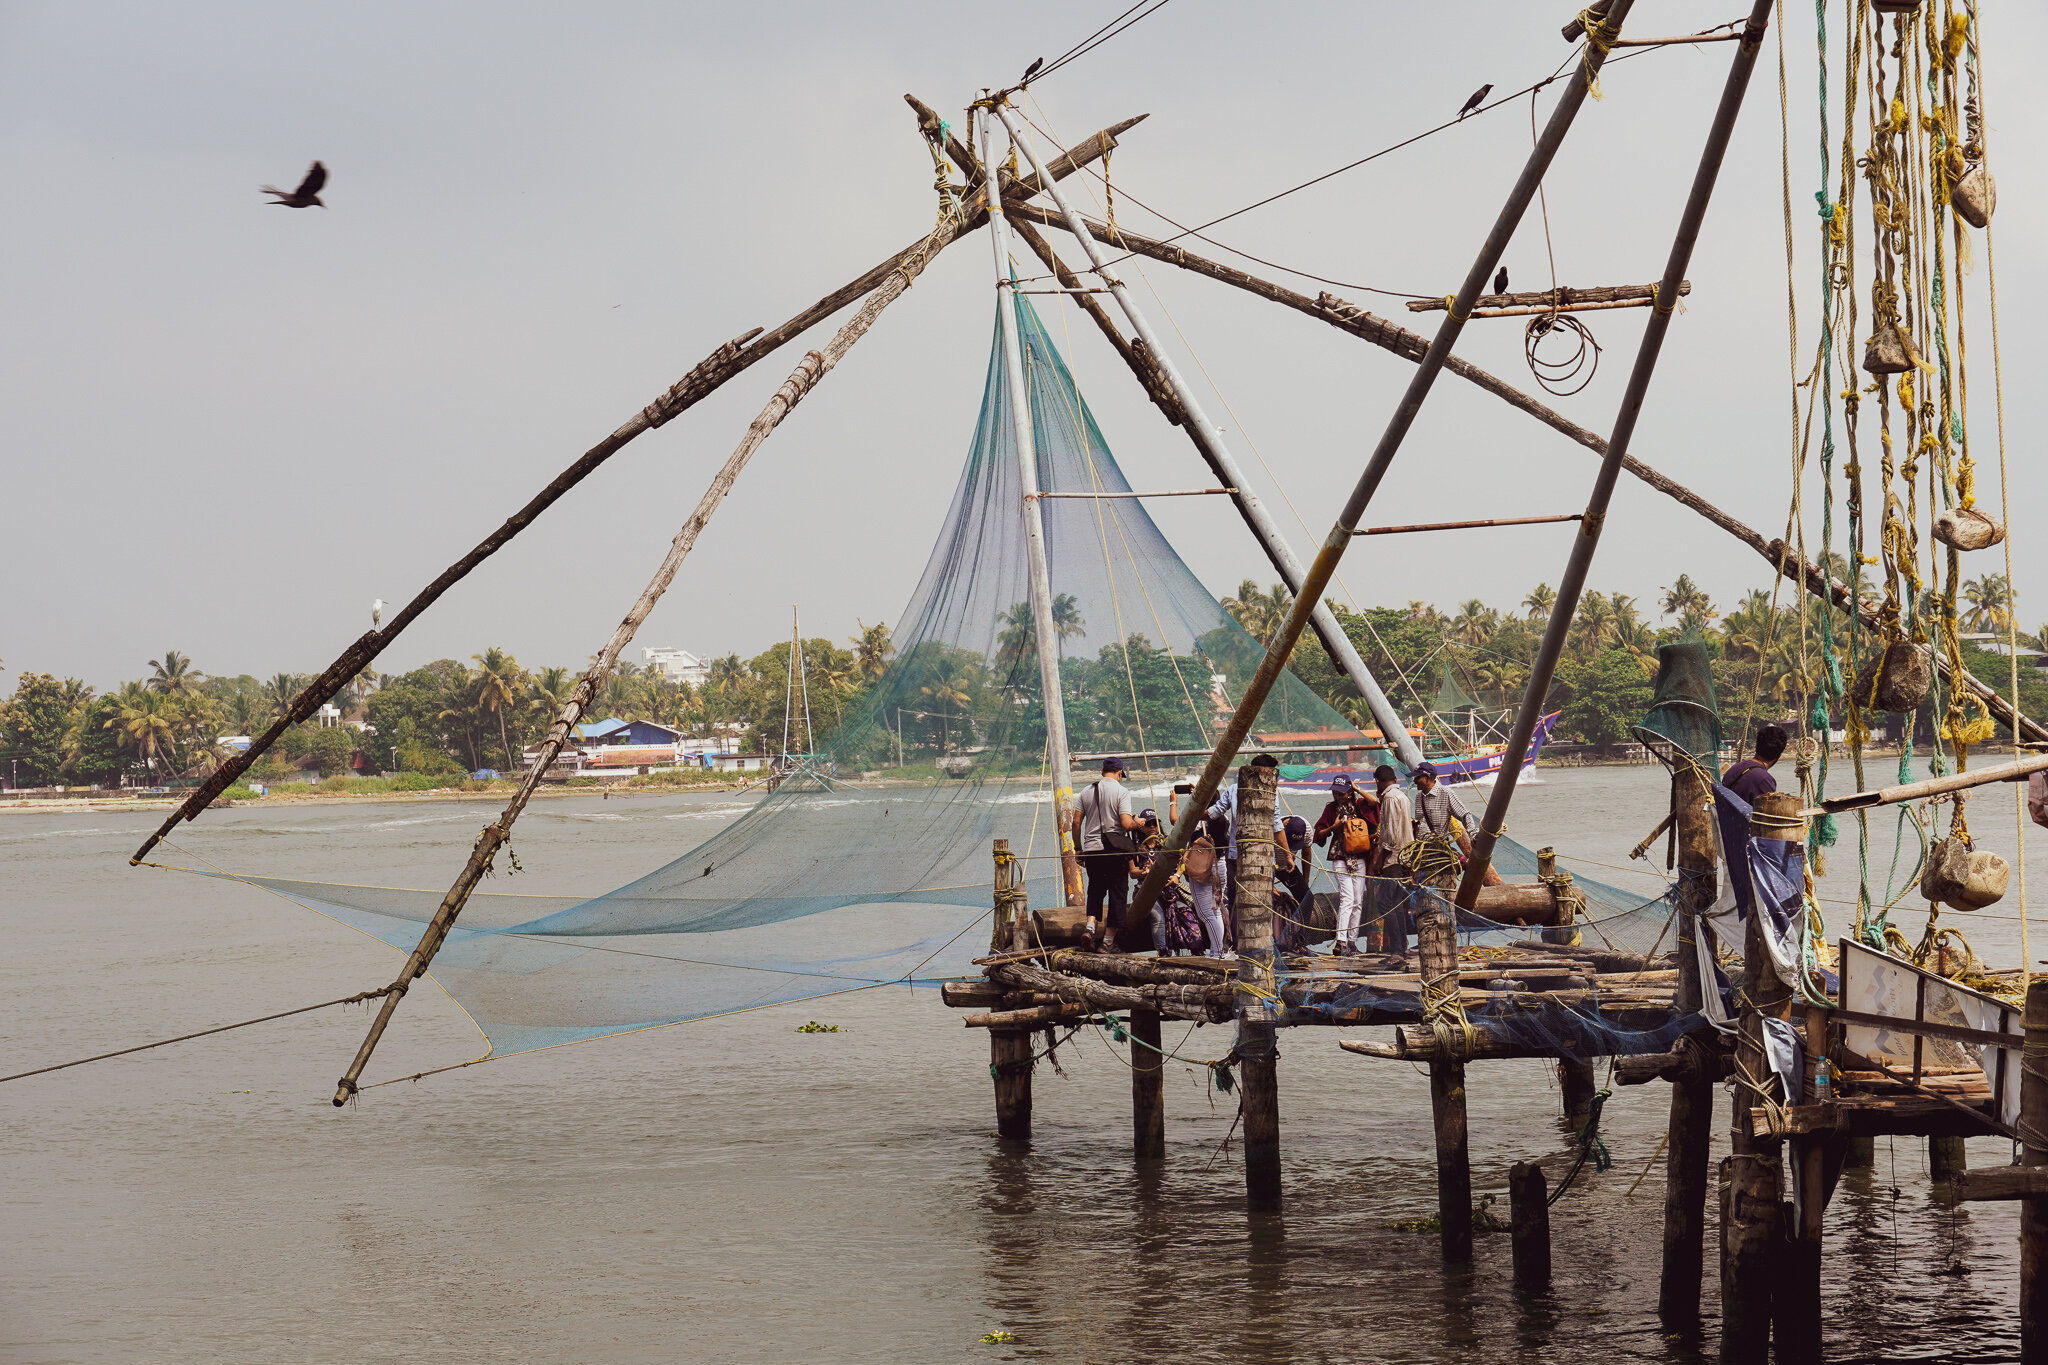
815 1027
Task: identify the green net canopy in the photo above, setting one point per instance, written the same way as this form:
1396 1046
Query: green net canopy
1683 711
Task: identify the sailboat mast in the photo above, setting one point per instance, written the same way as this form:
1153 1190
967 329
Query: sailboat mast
803 681
1210 442
1057 753
788 687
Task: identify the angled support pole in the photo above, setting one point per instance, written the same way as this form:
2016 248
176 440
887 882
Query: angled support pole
1209 441
715 369
1588 538
814 367
1317 580
1039 573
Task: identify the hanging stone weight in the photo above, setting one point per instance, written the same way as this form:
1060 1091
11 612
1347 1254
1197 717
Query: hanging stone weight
1975 196
1963 878
1967 528
1896 680
1887 352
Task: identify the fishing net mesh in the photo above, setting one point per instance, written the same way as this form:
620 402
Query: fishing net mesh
871 864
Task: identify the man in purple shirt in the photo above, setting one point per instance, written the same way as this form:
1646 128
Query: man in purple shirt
1751 777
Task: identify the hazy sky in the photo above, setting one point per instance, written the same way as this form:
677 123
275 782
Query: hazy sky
229 426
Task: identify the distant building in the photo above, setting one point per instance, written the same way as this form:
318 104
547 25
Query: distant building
625 748
677 665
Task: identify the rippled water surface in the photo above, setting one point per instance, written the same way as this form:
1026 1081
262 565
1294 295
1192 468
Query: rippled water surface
733 1189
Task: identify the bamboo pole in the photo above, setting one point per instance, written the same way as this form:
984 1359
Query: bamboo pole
705 377
1563 298
814 366
1436 950
1412 346
1587 541
1216 454
1258 982
1308 597
1933 786
1689 1126
1066 834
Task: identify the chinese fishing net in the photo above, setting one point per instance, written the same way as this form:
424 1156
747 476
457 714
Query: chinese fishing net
860 870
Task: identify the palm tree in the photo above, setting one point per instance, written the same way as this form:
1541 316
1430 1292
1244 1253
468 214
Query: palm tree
1066 622
1684 597
1474 624
498 682
1540 600
1990 599
279 691
1260 612
548 692
947 690
174 674
871 649
143 721
1593 625
1421 611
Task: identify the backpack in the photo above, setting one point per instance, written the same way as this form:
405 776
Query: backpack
1184 932
1354 836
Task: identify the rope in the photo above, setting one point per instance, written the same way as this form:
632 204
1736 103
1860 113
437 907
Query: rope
357 999
1591 1144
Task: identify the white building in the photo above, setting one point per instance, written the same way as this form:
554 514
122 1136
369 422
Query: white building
677 665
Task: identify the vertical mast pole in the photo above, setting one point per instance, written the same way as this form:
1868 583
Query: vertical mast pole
1057 753
1220 461
1588 539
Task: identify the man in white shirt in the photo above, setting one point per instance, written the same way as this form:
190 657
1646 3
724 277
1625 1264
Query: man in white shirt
1105 806
1397 830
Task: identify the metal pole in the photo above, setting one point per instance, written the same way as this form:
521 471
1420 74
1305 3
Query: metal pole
1218 457
1339 539
1588 538
1034 533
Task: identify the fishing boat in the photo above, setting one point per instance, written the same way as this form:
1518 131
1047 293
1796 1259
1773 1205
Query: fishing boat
1466 762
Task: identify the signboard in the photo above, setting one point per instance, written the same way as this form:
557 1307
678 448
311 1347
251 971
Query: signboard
1908 1019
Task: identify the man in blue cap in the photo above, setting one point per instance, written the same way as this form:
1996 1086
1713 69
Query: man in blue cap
1102 825
1435 807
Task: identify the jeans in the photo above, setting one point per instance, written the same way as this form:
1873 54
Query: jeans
1109 886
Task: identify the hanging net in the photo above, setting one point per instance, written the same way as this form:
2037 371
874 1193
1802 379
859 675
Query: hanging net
1683 711
871 863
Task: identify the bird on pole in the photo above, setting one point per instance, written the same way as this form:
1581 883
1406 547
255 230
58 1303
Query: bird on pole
1500 281
306 196
1477 95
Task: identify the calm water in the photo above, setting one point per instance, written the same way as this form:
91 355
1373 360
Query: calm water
733 1189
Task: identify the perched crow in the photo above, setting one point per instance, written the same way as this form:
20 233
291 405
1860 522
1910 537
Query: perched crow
1031 70
307 195
1477 95
1500 281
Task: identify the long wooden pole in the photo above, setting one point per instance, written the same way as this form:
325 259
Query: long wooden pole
1259 986
1580 561
1436 956
1398 340
1689 1127
1038 571
814 366
708 374
1933 786
1216 454
1309 596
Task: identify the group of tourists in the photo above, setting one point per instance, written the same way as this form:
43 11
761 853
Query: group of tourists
1363 835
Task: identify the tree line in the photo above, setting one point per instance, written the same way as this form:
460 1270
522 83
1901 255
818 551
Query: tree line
936 702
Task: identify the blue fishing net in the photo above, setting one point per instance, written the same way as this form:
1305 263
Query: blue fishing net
872 863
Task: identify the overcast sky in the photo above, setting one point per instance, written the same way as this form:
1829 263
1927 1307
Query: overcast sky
227 426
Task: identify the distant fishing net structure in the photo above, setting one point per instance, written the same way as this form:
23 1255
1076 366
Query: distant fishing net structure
828 885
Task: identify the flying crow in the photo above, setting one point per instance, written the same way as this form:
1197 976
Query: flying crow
1500 281
1477 95
307 195
1030 71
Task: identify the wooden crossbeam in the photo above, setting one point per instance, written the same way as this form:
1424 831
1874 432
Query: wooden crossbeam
2000 1182
1563 299
1463 525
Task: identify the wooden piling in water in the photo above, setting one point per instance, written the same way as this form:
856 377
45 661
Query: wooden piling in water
1689 1127
1862 1154
1010 1061
1258 1071
2033 1128
1945 1157
1436 939
1148 1091
1528 1198
1575 1079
